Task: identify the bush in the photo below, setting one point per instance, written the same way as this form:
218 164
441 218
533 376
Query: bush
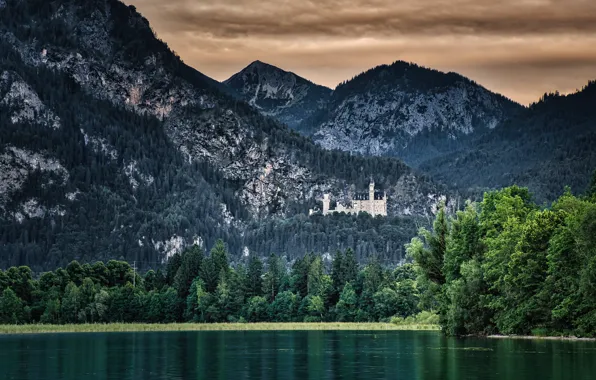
422 318
540 331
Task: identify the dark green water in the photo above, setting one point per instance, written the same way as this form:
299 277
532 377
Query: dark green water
290 355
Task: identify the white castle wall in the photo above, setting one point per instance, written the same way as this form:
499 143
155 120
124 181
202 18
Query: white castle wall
372 206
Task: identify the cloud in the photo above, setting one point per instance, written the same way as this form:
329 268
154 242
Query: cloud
357 18
521 48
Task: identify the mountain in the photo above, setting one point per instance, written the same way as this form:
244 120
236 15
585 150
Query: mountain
283 95
453 129
546 147
112 147
407 111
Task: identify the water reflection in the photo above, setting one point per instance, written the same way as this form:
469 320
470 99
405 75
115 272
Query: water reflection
290 355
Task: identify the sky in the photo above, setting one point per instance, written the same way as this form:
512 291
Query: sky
519 48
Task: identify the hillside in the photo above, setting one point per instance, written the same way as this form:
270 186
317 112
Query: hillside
111 147
458 132
547 147
407 111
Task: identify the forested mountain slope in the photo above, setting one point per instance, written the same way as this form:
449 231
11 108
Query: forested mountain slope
547 147
274 92
407 111
111 147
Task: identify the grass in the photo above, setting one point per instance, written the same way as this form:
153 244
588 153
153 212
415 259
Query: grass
123 327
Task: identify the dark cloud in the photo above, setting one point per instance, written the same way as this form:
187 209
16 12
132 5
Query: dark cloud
518 47
356 18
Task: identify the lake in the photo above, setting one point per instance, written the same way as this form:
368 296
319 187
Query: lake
290 355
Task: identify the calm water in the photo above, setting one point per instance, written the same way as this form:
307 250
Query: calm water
289 355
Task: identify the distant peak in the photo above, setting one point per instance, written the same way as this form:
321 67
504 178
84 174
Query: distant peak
261 64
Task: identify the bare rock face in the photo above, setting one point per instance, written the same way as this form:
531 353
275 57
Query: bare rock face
23 103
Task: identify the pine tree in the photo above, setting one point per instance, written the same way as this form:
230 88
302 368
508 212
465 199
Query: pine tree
254 277
273 277
189 269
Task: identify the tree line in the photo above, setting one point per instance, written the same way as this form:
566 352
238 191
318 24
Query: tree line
506 266
196 287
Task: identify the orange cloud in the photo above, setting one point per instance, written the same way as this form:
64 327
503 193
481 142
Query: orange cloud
521 48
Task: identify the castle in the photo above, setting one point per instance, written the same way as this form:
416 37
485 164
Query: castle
374 203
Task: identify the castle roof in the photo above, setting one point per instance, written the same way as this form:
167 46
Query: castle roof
365 196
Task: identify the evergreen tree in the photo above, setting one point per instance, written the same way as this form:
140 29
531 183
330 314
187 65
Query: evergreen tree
254 277
273 277
349 267
214 265
189 269
430 253
71 303
315 281
299 276
337 274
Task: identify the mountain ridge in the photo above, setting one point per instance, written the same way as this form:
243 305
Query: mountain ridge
553 138
157 155
401 110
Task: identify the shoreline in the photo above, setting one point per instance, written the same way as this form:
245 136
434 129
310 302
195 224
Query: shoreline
190 327
533 337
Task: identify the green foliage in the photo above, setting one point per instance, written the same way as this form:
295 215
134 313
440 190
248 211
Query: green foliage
253 285
429 250
312 308
422 318
364 235
545 148
11 308
106 293
256 309
215 266
285 307
71 303
512 268
347 306
274 277
188 270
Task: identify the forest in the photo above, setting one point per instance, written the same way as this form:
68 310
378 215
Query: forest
195 287
507 266
500 266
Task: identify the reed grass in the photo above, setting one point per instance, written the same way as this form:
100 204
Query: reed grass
132 327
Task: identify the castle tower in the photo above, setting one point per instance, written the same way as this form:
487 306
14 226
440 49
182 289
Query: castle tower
326 203
371 190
